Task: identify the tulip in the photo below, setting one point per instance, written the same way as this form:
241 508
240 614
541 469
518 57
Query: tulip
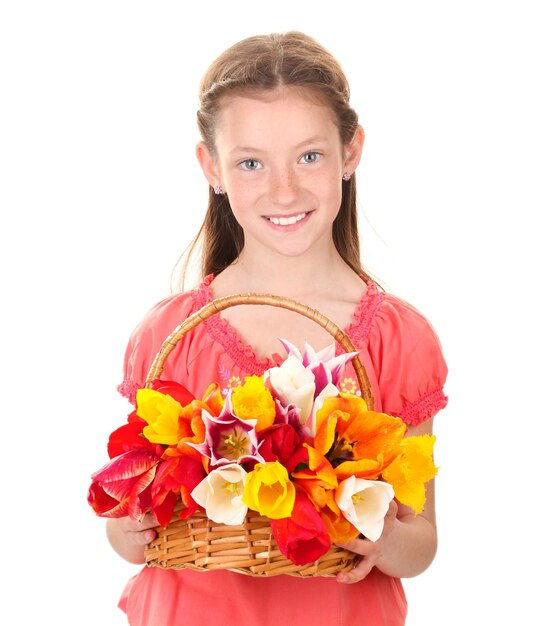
340 530
290 414
161 413
316 477
269 490
292 383
228 439
365 503
123 486
173 389
279 443
214 400
411 470
324 365
128 437
358 442
176 477
220 494
302 538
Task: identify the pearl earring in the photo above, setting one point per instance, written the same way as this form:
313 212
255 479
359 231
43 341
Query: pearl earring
347 176
218 190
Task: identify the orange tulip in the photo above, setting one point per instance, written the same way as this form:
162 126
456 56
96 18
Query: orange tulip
318 479
339 528
355 440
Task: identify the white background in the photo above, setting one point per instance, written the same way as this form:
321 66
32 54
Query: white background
100 193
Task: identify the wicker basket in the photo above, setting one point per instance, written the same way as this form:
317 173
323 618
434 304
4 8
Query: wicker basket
199 543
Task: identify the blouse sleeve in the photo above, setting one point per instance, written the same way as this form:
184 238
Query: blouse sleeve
408 361
147 338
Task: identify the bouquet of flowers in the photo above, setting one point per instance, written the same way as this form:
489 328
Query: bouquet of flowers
288 445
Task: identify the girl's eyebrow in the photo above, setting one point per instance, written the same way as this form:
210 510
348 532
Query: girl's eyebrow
250 149
314 139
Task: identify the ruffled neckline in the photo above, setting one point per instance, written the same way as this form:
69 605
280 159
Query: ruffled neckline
221 331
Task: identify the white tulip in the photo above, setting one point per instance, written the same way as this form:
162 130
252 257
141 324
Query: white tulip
364 504
220 493
293 384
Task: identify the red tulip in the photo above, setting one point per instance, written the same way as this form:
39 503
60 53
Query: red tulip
175 390
279 443
128 437
123 486
176 476
303 537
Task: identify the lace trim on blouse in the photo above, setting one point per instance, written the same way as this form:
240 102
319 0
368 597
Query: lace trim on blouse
424 408
128 389
246 359
358 330
243 354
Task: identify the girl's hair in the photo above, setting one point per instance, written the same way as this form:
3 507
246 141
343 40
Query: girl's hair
257 64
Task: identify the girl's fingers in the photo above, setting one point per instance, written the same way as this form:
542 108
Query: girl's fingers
361 570
142 538
359 546
369 551
141 533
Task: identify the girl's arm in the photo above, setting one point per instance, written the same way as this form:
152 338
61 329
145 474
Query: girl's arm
129 538
408 543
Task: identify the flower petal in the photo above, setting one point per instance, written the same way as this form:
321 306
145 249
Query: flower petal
279 443
127 465
176 476
228 439
339 528
220 493
365 503
329 391
411 470
173 389
269 491
253 400
161 412
303 537
292 383
127 437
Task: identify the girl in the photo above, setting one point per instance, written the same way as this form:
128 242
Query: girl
280 148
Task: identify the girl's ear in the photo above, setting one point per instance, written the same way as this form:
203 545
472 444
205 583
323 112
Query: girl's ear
353 150
208 164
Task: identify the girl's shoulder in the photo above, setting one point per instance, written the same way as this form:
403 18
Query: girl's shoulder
170 312
406 355
382 312
383 315
158 323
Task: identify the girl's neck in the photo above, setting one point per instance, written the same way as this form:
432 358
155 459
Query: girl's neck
294 277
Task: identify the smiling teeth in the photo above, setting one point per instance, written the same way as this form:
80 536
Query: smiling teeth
286 221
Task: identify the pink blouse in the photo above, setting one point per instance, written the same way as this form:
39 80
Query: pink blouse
407 371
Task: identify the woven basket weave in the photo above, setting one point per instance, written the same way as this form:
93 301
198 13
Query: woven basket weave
199 543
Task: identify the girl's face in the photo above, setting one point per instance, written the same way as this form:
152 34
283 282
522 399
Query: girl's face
280 159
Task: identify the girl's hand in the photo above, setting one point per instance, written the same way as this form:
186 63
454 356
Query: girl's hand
129 537
370 551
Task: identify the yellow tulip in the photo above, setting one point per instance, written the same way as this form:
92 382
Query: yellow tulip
411 470
269 490
161 413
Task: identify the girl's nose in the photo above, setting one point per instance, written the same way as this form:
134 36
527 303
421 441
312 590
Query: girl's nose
283 187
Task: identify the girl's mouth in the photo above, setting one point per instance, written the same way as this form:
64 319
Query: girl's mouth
287 221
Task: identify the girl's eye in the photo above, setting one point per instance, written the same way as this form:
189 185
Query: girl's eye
310 157
250 165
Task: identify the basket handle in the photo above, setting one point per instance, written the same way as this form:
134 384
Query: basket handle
220 304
